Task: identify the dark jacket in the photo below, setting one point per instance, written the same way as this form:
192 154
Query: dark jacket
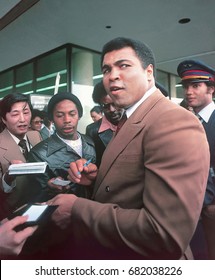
210 133
59 155
101 139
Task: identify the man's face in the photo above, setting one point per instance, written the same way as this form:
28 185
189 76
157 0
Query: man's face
95 116
197 95
65 117
18 119
36 123
111 111
124 78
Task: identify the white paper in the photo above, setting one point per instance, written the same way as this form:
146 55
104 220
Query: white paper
27 168
34 212
61 182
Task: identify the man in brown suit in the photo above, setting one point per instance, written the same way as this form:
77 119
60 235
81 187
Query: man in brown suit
16 115
150 186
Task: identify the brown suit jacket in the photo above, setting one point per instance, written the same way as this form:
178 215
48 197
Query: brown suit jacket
150 187
9 150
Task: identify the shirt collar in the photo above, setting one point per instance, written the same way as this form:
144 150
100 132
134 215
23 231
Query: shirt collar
70 142
105 125
17 139
206 112
131 109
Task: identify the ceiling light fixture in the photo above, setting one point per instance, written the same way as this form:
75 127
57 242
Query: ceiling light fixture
184 20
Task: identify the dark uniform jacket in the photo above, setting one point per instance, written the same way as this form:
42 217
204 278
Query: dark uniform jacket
210 133
101 139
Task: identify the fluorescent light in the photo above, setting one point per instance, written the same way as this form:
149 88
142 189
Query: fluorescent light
51 87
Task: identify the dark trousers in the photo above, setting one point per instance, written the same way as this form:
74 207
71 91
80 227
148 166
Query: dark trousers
208 222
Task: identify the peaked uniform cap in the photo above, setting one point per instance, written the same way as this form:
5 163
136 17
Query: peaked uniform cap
195 71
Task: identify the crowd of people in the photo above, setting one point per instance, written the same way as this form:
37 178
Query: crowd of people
139 184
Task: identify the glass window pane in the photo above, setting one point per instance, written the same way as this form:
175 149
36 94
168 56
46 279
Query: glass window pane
48 68
179 88
24 79
6 83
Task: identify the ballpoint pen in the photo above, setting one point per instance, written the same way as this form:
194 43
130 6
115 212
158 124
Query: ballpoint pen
73 184
86 164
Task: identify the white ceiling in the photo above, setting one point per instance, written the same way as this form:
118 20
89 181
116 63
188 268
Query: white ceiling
52 23
6 5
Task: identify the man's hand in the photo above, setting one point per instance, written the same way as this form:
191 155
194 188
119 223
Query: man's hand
10 178
84 175
11 242
58 188
62 215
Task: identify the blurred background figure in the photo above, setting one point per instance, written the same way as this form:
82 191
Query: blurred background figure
36 120
47 128
102 131
96 113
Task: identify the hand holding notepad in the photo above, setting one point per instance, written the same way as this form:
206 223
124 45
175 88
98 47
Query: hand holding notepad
27 168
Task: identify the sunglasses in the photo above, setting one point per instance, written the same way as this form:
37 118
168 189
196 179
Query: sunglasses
38 122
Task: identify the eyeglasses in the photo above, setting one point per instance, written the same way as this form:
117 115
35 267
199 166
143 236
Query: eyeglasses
106 106
38 122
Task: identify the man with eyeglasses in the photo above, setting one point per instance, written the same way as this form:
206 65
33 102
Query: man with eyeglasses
102 131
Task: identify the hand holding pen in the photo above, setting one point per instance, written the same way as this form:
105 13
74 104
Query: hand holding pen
82 172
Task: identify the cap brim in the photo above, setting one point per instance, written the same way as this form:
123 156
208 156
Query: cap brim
194 81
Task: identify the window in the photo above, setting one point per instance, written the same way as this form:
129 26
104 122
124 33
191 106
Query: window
6 83
24 79
51 73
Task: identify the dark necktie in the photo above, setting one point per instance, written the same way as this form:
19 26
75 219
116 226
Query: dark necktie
200 118
22 144
121 122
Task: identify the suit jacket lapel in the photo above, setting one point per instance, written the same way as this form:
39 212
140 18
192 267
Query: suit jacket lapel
12 150
133 125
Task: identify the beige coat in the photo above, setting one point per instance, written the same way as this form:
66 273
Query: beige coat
9 150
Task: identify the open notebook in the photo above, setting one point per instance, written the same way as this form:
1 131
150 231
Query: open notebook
27 168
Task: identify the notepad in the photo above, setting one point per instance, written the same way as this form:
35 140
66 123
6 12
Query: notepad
27 168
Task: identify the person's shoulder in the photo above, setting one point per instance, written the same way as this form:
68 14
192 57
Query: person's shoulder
87 139
93 125
42 145
93 128
34 136
5 136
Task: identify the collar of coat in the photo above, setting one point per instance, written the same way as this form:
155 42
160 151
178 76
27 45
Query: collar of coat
54 143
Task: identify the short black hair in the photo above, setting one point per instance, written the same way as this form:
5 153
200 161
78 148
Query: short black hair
37 113
97 109
12 98
98 92
143 51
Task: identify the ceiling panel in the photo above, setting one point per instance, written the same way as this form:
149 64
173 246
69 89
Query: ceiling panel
52 23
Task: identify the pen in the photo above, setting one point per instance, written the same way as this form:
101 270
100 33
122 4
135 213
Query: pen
86 164
72 185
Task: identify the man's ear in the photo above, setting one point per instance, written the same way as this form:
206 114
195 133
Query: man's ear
150 71
3 121
211 90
